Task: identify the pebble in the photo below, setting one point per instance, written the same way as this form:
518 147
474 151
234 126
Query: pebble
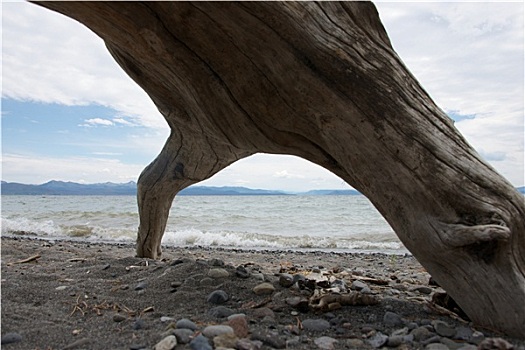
166 319
422 290
139 324
137 347
220 312
378 340
264 289
226 341
215 330
325 343
183 335
216 262
452 345
141 285
358 285
316 324
443 329
61 288
436 346
241 272
218 297
421 333
391 319
270 339
119 318
239 326
263 312
167 343
394 341
463 333
495 343
286 280
185 323
200 342
10 338
246 344
355 344
218 273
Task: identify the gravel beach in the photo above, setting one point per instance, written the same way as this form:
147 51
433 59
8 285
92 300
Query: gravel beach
79 295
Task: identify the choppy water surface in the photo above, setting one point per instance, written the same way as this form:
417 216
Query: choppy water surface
339 223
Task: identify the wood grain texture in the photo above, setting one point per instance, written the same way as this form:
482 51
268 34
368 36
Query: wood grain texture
320 81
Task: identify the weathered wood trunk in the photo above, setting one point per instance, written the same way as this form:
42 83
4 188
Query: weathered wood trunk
319 81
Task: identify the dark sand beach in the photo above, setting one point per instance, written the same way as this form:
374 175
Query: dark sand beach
78 295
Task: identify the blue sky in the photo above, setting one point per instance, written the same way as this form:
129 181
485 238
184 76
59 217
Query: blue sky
70 113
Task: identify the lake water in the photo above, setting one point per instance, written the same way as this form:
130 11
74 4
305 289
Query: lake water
334 223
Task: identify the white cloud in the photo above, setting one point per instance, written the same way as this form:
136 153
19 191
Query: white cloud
21 168
98 121
286 175
50 58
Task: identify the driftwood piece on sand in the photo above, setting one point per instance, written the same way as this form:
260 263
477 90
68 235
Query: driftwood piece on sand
320 81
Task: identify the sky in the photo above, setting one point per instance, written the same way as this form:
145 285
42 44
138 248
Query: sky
70 113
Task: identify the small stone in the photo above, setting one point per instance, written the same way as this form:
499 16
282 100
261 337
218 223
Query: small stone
495 343
270 339
141 285
200 342
421 333
186 324
264 288
286 280
358 285
325 343
10 338
422 290
298 277
216 262
263 312
166 319
463 333
139 324
241 272
183 335
218 273
246 344
433 339
105 267
316 324
220 312
391 319
468 347
226 341
377 340
436 346
235 315
476 338
452 345
443 329
215 330
240 326
175 284
206 281
137 347
167 343
218 297
355 344
118 318
394 341
61 288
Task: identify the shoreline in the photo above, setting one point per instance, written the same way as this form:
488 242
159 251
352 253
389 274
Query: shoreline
339 251
78 295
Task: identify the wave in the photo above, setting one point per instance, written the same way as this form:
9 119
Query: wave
375 242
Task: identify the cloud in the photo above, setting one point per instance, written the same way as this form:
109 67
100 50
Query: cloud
21 168
50 58
286 175
98 121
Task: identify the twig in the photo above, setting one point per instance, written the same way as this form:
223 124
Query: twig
26 260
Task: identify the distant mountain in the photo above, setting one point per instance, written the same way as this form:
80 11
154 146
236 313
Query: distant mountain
331 193
57 188
69 188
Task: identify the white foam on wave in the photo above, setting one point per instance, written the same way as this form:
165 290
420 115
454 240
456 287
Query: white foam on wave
194 237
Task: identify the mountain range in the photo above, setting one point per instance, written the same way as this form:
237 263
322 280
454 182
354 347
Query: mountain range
130 188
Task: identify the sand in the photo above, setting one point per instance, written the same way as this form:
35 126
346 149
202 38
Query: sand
80 295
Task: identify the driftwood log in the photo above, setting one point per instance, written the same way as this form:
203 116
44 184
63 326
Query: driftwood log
320 81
